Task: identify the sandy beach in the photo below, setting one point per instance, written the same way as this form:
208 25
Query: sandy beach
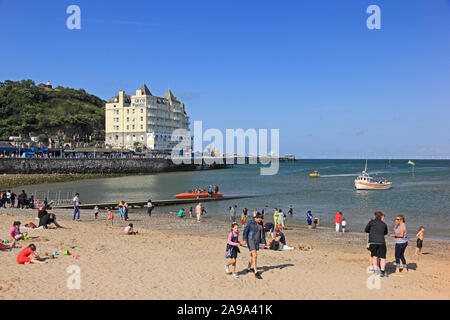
174 258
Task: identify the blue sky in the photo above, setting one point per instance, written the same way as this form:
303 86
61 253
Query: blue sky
312 69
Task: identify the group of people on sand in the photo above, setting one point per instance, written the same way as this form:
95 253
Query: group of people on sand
28 254
376 244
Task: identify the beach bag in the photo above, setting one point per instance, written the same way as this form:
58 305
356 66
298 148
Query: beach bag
274 245
228 253
31 225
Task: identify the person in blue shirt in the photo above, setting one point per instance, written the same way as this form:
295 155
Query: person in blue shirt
181 213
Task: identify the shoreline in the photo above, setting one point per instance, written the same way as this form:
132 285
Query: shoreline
173 258
10 181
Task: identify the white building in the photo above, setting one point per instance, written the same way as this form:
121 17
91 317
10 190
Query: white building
146 121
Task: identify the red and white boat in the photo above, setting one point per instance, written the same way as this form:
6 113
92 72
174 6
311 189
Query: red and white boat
366 182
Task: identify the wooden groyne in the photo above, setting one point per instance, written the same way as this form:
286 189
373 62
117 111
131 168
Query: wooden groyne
142 204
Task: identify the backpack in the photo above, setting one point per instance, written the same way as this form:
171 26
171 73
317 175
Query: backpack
274 245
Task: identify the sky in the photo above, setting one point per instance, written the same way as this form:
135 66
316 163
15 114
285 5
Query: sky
310 68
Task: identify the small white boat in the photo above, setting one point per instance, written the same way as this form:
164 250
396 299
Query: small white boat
365 182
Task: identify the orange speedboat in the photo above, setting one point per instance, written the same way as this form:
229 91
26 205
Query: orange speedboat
198 195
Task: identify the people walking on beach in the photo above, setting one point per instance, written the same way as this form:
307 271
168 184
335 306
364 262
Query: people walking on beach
338 220
255 212
76 207
419 237
24 256
149 207
110 216
190 212
232 250
13 199
344 225
316 222
290 211
377 230
96 212
198 211
253 236
309 219
401 242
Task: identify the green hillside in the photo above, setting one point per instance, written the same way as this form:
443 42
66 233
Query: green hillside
65 112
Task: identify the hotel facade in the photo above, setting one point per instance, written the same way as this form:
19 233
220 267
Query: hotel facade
146 121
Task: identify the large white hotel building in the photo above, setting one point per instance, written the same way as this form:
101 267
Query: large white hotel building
146 119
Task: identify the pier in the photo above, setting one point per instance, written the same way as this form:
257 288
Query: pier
142 204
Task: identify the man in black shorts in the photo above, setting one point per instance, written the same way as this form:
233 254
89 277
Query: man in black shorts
377 229
253 236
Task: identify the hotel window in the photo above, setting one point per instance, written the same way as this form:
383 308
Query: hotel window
128 119
132 111
142 118
142 110
142 127
116 137
128 111
132 127
128 127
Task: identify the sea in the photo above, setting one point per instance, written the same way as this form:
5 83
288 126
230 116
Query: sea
422 195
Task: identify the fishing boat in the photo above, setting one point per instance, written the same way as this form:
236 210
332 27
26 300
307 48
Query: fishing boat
365 182
314 174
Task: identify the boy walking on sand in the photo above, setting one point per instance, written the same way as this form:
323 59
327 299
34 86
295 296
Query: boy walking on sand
76 207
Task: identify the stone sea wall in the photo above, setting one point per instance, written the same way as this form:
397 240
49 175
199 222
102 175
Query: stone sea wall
70 165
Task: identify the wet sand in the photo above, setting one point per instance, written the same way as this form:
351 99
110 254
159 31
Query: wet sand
173 258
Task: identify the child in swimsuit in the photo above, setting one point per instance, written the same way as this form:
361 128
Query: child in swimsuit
419 241
110 217
344 225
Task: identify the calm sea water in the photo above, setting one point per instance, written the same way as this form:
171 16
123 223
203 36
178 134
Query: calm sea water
423 199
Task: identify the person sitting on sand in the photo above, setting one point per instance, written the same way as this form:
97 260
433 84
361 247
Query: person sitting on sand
181 213
48 219
419 237
281 239
15 234
24 256
129 229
